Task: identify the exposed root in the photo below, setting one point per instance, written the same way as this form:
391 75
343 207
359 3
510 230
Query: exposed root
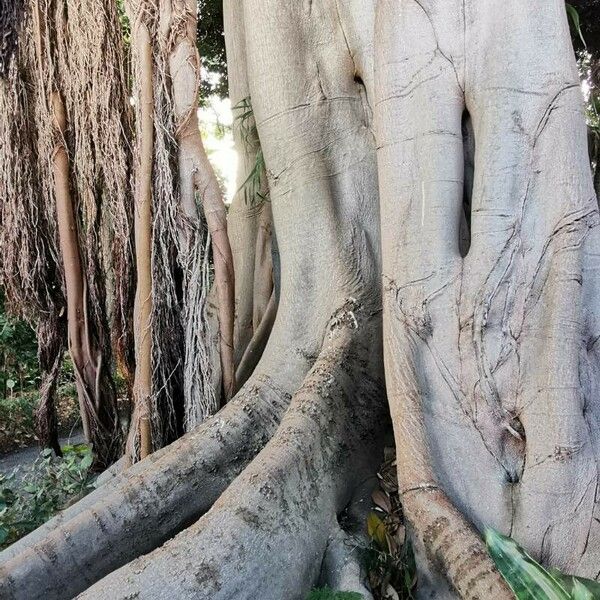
277 516
139 510
344 564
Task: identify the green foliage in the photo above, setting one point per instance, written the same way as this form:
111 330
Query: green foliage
327 594
47 487
211 45
589 18
18 355
254 184
17 420
593 112
529 580
575 21
19 384
124 21
17 412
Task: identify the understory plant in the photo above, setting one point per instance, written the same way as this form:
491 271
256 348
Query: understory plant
28 499
529 580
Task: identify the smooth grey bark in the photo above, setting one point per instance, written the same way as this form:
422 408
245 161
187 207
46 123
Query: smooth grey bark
499 346
490 321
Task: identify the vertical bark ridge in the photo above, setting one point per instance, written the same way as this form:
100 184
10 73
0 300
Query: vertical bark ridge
250 217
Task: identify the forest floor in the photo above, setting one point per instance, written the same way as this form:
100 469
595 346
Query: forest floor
25 457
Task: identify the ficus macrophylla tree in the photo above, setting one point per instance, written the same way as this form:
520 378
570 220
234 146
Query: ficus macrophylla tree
436 258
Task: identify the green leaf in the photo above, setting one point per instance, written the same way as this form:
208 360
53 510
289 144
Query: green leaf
574 17
527 579
580 592
86 462
3 535
570 583
376 530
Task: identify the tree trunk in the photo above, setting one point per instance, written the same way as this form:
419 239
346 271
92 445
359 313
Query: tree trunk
491 356
488 330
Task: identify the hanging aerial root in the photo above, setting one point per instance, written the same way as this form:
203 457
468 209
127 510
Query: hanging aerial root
263 259
99 421
11 15
70 134
51 337
257 344
197 177
140 444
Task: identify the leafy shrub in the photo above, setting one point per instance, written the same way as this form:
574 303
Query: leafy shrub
17 420
48 486
327 594
18 355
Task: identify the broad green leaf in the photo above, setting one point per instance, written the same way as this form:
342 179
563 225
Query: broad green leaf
86 462
580 592
376 530
527 579
3 535
574 16
569 582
